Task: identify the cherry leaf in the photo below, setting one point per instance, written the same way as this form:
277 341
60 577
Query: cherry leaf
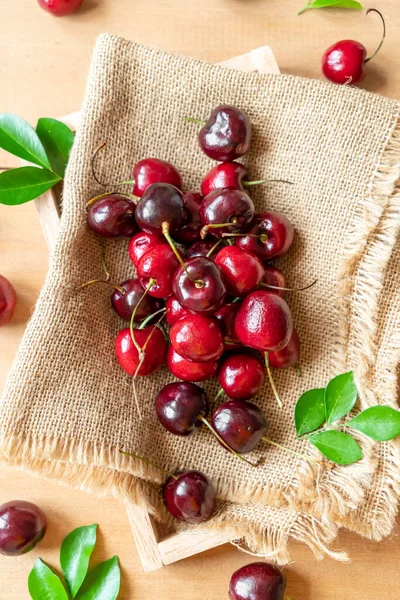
309 412
381 423
75 553
350 4
43 584
25 183
340 396
339 447
20 139
102 582
57 140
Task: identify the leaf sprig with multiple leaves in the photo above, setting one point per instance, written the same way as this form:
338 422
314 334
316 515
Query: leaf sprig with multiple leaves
353 4
326 406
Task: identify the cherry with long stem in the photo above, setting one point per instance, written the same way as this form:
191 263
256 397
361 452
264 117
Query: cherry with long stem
271 380
222 441
149 462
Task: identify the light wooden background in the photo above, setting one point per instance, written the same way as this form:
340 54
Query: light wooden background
43 65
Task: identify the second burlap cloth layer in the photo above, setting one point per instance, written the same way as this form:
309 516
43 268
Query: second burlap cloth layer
68 407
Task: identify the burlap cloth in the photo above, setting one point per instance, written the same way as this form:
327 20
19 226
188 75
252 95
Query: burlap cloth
68 407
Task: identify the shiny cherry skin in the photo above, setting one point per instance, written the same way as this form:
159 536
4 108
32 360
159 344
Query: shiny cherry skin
205 291
179 405
226 317
140 243
241 376
159 263
264 322
190 497
344 62
161 203
240 424
22 526
226 134
154 170
8 300
202 248
257 581
174 310
224 175
197 338
242 271
288 356
273 276
124 304
277 236
227 205
188 370
60 8
112 216
190 232
128 356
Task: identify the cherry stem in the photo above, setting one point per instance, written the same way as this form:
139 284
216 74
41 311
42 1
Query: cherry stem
103 259
149 462
95 153
193 120
220 439
261 181
313 460
263 237
165 229
213 248
383 35
152 332
149 286
100 196
286 289
107 282
271 380
204 230
151 317
299 372
219 394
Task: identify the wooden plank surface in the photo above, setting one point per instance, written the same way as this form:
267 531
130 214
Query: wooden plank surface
43 69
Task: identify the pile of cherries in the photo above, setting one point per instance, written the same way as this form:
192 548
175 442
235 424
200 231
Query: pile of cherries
217 291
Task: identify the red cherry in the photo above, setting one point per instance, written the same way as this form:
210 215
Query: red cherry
60 8
226 134
140 243
174 311
288 356
264 322
159 263
22 526
197 338
191 231
240 424
154 170
112 216
190 497
161 203
8 300
205 291
241 376
224 175
242 272
179 407
202 248
274 276
257 581
124 304
275 236
127 353
187 370
226 211
226 316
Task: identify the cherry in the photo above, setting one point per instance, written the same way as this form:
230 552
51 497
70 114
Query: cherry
125 303
226 211
191 231
158 263
60 8
240 424
161 203
179 405
205 291
264 322
345 61
152 343
22 526
188 370
197 338
203 248
226 316
190 497
242 271
140 243
226 135
241 376
154 170
288 356
8 300
174 310
112 215
275 277
225 175
257 581
271 235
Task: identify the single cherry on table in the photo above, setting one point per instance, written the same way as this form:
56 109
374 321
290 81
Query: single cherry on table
257 581
124 303
241 376
22 526
226 135
197 338
112 215
179 406
8 300
242 271
189 496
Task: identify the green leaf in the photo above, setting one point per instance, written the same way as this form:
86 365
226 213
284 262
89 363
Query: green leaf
43 584
57 140
340 396
102 583
75 553
339 447
309 412
19 138
352 4
25 183
381 423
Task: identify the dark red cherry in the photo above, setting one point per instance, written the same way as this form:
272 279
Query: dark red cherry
128 355
159 263
161 203
190 232
241 376
264 322
257 581
202 249
124 304
226 317
178 406
188 370
140 243
8 300
22 526
288 356
205 291
154 170
112 216
230 208
224 175
242 272
197 338
240 424
276 233
226 134
174 311
190 497
275 277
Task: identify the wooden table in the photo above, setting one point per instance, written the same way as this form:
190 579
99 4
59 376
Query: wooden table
42 72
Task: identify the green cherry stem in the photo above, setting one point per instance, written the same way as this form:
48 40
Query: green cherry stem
193 120
165 229
286 289
209 253
222 441
151 317
146 291
271 380
298 454
106 282
262 181
149 462
263 237
100 196
298 369
218 395
103 259
204 230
